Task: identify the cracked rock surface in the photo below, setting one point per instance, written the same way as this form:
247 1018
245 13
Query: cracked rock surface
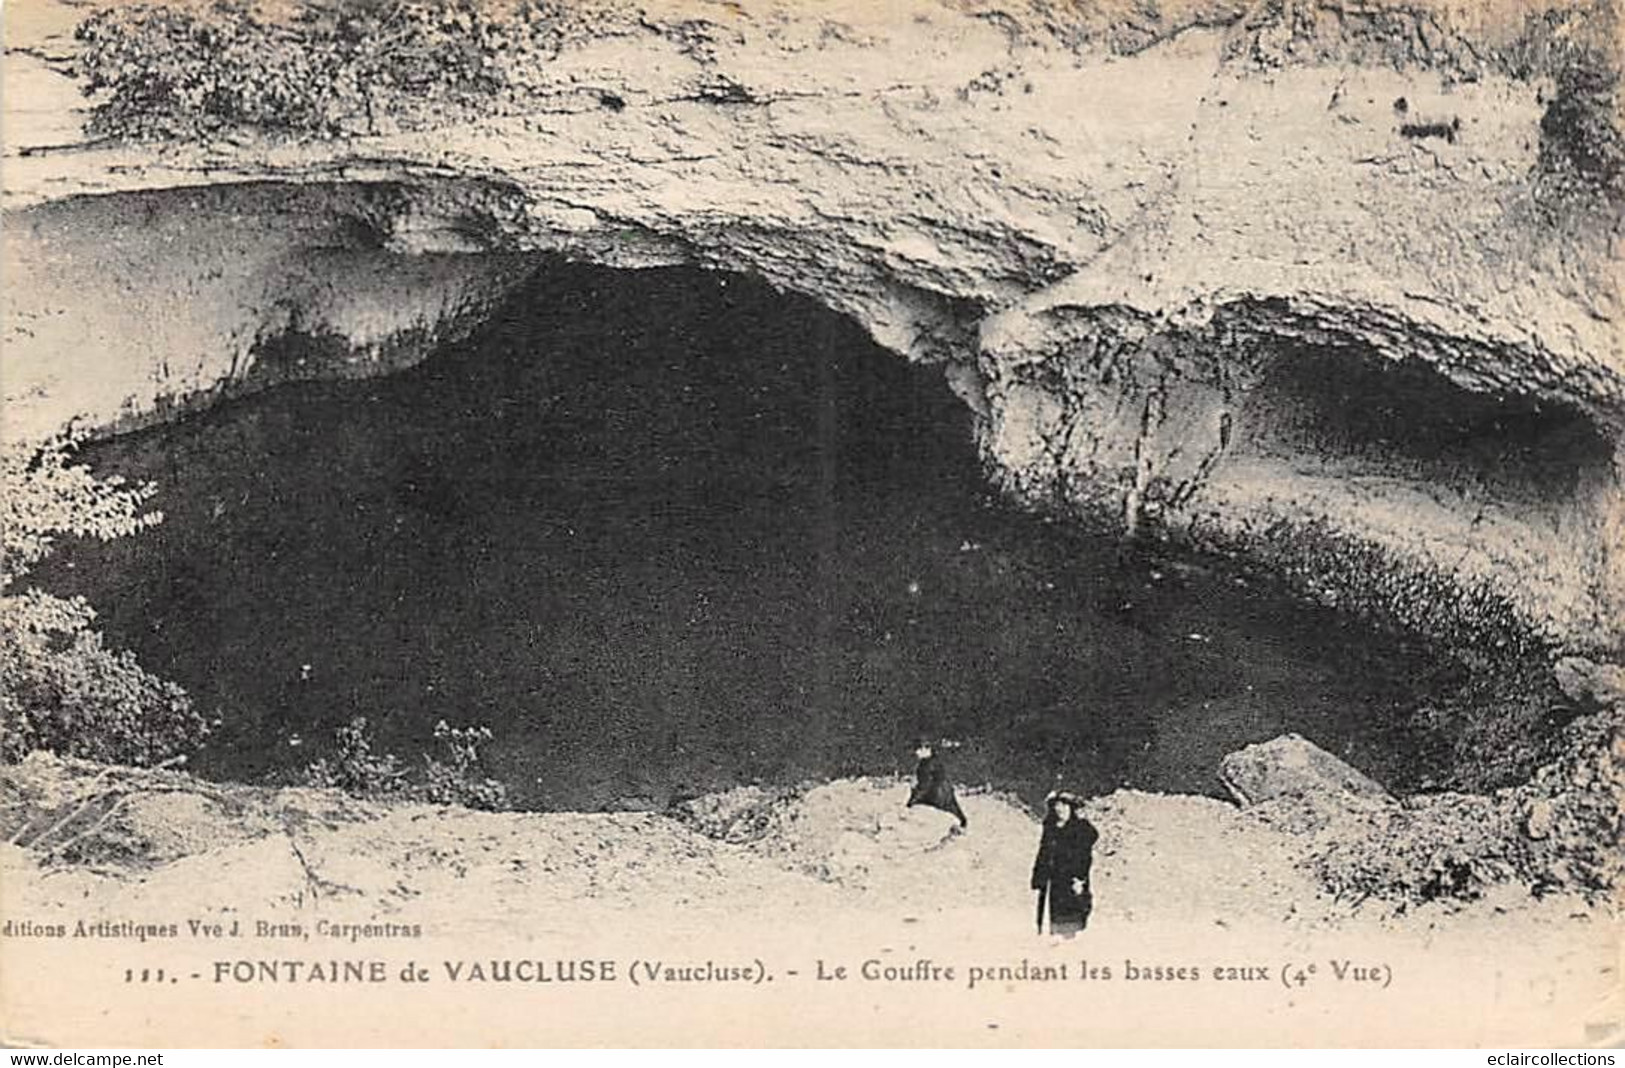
1283 281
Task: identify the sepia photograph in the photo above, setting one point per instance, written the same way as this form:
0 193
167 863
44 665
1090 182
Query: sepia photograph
812 523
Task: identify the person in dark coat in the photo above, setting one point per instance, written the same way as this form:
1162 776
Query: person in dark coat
1061 872
931 785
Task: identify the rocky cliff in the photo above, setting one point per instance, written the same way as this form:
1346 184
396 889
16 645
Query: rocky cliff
1332 286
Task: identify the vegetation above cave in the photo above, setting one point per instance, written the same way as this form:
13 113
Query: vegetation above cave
325 68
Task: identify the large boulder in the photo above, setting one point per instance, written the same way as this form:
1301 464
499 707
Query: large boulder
1291 766
1588 682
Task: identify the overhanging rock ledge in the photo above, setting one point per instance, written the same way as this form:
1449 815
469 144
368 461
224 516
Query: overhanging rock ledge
1328 286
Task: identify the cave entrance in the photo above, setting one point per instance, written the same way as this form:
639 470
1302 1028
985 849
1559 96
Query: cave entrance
668 532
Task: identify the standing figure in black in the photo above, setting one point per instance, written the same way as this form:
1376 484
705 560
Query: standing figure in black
1061 872
931 785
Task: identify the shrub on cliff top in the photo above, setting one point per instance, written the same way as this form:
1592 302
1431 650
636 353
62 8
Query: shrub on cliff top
324 69
61 688
1582 148
179 73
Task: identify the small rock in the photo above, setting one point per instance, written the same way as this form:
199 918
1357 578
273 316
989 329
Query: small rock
1541 817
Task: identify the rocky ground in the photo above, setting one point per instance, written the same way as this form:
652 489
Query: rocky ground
840 871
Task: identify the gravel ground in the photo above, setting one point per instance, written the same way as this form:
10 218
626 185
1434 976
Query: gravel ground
840 872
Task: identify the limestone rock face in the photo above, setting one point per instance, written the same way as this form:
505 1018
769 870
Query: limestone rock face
1291 766
1590 683
1296 282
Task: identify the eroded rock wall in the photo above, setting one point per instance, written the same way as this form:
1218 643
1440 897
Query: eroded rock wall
1321 287
130 308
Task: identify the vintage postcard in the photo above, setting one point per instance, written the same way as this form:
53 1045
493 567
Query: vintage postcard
812 522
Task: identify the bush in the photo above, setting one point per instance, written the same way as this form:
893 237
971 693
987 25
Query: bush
1582 148
354 767
61 688
330 69
357 769
459 782
46 497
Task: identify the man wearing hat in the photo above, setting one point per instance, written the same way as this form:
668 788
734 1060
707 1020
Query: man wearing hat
1061 872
